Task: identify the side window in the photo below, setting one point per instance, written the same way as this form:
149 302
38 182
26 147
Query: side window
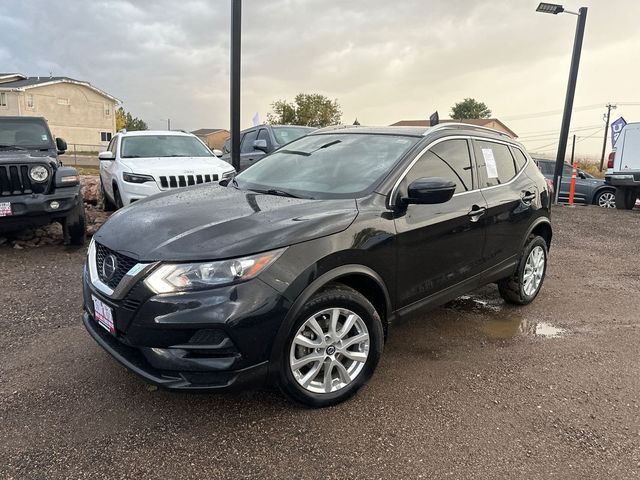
495 163
449 159
112 146
227 146
520 158
247 142
567 170
263 134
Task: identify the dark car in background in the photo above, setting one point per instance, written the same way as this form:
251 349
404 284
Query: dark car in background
589 189
35 188
259 141
293 272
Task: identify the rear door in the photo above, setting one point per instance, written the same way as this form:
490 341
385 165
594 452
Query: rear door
440 245
509 194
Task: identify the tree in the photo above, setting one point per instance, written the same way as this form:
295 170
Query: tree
128 121
309 109
470 108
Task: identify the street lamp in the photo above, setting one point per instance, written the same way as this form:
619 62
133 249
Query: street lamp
555 9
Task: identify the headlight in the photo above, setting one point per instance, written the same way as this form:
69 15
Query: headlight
197 276
226 175
135 178
39 174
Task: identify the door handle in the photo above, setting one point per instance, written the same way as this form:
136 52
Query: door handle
476 212
528 197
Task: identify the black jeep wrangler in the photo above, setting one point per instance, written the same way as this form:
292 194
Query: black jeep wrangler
35 188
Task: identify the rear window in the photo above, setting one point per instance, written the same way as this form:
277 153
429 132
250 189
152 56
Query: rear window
519 157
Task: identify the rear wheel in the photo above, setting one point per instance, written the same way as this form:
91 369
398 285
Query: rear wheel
523 286
332 348
606 199
625 198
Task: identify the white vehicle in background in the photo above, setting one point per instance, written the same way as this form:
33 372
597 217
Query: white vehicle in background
142 163
623 169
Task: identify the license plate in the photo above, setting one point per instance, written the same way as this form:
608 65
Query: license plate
5 209
103 314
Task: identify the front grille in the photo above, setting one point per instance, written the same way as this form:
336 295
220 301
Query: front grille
179 181
123 265
14 180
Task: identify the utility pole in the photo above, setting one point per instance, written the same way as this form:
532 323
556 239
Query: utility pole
606 132
568 103
236 24
168 124
573 150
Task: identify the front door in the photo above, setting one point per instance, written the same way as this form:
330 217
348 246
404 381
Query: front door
248 154
440 245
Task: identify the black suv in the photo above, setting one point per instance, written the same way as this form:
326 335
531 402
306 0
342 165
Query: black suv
259 141
35 189
293 272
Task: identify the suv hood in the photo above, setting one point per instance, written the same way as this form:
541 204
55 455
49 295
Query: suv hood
177 165
28 156
210 222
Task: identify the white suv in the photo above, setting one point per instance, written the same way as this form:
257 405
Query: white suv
139 164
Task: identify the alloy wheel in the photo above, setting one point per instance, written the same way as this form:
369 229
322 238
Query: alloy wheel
607 200
533 271
329 350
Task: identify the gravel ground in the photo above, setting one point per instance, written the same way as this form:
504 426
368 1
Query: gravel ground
475 389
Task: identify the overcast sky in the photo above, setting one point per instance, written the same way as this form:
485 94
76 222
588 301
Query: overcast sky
383 60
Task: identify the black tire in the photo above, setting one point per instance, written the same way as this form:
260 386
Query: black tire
74 226
602 199
333 296
512 289
107 204
625 198
117 198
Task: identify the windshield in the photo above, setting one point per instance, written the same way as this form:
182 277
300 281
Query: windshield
145 146
24 134
327 166
289 134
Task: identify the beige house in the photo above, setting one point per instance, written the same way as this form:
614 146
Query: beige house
77 111
213 137
481 122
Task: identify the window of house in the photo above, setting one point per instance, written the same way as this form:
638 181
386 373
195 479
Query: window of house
107 110
29 101
247 142
105 136
63 101
3 99
449 159
496 162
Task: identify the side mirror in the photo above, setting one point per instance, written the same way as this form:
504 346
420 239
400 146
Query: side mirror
216 152
61 145
429 191
106 156
581 175
260 145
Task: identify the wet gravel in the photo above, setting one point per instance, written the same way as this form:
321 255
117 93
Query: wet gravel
475 389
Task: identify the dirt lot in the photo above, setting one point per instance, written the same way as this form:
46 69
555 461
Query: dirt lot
475 389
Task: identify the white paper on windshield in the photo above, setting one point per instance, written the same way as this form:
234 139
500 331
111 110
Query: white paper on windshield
490 163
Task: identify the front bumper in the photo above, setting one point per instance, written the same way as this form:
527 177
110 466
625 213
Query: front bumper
132 192
209 340
35 209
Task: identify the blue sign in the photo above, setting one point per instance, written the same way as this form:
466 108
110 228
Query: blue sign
616 128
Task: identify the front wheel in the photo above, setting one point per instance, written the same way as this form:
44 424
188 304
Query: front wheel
74 226
523 286
332 349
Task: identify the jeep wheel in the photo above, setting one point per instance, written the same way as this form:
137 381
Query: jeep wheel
523 286
74 226
332 349
107 204
625 198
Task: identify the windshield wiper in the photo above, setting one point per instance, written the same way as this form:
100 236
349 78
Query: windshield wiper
295 152
275 191
12 147
308 154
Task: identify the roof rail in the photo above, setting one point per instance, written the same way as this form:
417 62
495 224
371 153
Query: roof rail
335 127
465 126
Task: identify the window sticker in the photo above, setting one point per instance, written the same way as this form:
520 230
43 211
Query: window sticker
490 163
44 138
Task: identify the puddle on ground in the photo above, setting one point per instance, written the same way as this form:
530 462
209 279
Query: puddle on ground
490 317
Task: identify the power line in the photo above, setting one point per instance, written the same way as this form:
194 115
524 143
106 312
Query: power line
552 133
548 113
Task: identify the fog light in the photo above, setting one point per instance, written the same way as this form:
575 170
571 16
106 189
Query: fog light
55 205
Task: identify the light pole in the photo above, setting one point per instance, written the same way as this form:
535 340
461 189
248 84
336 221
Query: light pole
236 24
555 9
